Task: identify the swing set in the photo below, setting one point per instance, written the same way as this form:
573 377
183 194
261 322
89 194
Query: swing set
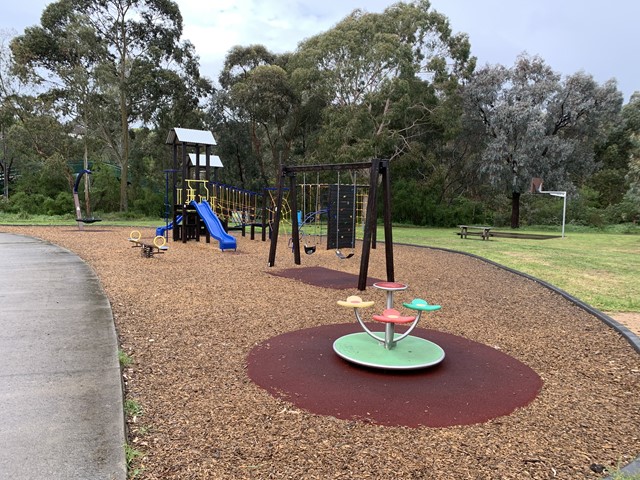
76 200
330 210
310 218
342 215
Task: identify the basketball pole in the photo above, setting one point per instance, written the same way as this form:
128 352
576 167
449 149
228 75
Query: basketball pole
536 187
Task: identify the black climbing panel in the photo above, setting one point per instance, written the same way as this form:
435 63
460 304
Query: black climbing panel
341 229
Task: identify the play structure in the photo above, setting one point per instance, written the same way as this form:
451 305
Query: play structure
76 200
389 350
315 214
342 212
196 204
148 250
328 214
189 196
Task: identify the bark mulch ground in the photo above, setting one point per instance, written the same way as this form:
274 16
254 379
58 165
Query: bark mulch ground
191 317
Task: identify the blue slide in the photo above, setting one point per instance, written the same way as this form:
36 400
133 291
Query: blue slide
214 226
160 230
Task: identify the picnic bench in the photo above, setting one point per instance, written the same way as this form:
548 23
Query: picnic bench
483 231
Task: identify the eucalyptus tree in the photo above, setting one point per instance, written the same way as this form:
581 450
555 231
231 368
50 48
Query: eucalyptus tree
539 125
633 177
240 62
117 51
631 115
258 93
382 75
30 133
233 143
72 52
177 95
613 156
7 117
272 102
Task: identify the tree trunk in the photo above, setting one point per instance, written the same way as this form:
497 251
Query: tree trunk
124 112
257 150
240 168
124 161
515 210
5 164
5 182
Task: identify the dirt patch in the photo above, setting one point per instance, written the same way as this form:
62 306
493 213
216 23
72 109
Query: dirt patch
631 320
190 317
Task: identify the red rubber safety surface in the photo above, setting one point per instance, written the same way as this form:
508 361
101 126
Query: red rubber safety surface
323 277
473 384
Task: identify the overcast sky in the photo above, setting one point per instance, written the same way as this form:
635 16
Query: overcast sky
599 38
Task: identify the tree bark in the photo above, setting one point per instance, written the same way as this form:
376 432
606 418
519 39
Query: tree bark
5 181
5 164
124 163
240 167
124 117
85 164
515 210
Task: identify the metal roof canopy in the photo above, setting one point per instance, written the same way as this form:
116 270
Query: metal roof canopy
188 136
202 160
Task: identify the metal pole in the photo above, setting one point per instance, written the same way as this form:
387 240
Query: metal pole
555 193
564 211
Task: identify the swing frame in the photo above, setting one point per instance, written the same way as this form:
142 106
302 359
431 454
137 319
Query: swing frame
377 168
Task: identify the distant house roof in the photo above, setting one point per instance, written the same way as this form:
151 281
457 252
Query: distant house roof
187 136
214 160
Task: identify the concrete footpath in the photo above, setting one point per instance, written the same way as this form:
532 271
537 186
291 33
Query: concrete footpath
61 414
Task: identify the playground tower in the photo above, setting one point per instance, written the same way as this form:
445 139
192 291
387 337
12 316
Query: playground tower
193 169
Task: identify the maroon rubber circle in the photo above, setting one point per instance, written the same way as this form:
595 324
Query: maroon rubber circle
473 384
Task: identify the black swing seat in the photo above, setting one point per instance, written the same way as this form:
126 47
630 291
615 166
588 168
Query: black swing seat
342 256
88 220
309 249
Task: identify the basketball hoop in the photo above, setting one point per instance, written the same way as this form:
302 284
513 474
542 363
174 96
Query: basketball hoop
536 187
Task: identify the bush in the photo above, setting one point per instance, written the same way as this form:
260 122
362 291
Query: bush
61 205
105 189
150 204
626 211
541 210
415 203
5 206
28 204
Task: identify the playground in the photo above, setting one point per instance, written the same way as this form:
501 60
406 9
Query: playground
224 395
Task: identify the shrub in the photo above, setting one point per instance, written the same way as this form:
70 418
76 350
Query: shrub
150 204
22 202
62 204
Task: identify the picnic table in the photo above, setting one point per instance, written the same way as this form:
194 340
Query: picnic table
483 231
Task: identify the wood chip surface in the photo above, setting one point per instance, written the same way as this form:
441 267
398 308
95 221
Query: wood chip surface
190 317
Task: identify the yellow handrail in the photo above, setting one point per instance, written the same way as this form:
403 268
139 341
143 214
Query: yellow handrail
192 188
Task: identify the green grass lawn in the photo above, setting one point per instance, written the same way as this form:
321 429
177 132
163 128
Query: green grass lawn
112 220
602 269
